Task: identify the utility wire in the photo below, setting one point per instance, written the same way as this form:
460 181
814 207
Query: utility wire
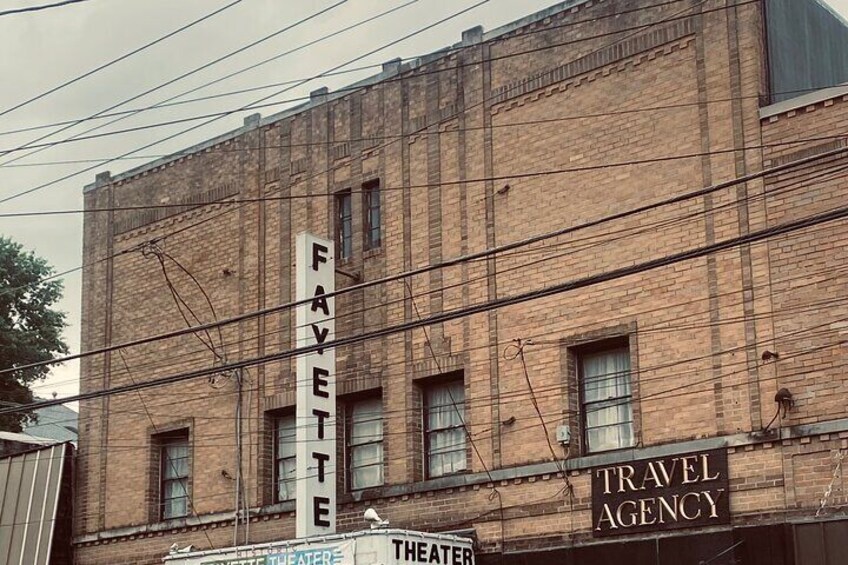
206 220
549 392
507 177
458 260
124 448
187 74
39 8
167 103
198 126
339 140
262 104
117 60
668 260
129 113
665 326
156 430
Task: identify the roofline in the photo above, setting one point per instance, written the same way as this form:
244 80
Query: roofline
809 99
321 96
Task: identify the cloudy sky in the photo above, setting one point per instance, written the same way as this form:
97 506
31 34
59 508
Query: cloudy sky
44 49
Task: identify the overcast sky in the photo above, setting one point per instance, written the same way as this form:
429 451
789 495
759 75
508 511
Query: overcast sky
41 50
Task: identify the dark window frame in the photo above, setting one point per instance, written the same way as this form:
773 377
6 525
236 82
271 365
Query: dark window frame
609 345
344 224
350 447
175 438
371 207
426 388
277 419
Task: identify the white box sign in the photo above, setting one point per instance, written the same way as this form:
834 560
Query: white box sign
316 388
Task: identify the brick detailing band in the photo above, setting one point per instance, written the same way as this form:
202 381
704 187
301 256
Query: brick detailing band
137 219
807 152
595 60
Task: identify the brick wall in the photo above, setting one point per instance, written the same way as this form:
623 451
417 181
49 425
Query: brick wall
454 144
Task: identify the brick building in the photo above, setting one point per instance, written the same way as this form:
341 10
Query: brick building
665 376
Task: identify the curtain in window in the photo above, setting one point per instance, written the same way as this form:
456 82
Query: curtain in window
366 444
174 480
446 431
606 393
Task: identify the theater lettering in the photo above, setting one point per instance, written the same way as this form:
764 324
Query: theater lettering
675 492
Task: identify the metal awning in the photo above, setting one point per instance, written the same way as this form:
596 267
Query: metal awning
31 495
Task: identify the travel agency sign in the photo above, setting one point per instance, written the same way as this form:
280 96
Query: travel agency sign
680 491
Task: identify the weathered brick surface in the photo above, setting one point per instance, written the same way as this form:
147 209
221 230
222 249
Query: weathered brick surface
455 145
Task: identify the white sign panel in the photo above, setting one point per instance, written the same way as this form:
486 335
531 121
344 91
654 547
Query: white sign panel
341 553
316 388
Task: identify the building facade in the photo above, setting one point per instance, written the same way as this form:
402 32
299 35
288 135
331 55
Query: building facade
674 391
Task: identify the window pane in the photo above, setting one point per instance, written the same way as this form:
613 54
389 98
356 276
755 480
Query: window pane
344 224
173 476
174 508
285 469
445 431
366 477
610 437
372 216
606 375
607 413
446 406
286 437
365 443
286 477
366 422
363 455
607 409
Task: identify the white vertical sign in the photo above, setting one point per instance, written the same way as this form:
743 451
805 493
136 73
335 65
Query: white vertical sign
316 388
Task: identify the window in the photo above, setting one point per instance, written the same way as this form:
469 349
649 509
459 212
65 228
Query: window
173 475
444 428
344 225
365 444
373 221
606 398
285 450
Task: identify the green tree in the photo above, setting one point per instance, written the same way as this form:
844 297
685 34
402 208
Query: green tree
30 329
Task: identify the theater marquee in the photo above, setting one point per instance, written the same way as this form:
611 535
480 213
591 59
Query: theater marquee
680 491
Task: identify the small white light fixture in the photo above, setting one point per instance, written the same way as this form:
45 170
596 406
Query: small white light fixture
374 519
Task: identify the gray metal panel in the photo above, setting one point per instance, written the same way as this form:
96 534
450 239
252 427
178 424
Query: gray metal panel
808 47
29 486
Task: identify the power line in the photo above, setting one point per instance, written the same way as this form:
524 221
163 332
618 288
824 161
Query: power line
41 7
629 232
122 115
166 103
172 136
462 111
462 259
530 174
206 220
117 60
187 74
225 113
692 253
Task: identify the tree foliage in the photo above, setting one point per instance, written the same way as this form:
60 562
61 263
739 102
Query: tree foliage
30 329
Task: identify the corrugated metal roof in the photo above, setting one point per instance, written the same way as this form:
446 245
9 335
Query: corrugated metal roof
29 500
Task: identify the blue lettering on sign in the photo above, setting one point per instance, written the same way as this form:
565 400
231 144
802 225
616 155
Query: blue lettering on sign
322 556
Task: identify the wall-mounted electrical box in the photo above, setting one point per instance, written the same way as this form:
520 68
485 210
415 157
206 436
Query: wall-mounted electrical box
563 434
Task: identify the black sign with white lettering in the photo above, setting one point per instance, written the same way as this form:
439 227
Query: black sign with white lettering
680 491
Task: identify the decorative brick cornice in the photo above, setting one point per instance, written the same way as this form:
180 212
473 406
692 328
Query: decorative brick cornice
137 219
594 61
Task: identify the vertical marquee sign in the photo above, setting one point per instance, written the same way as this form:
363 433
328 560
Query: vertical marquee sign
316 388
